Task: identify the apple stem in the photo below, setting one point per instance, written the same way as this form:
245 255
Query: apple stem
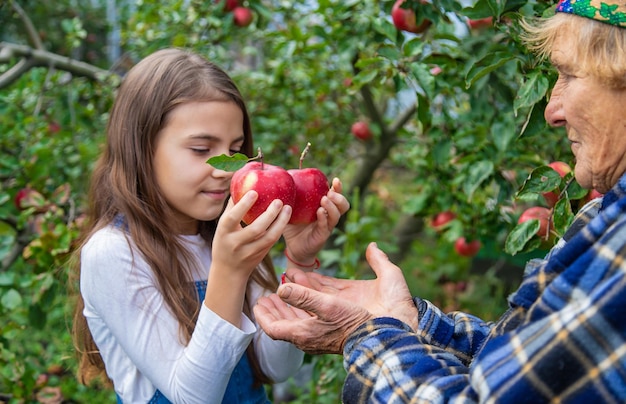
304 153
259 156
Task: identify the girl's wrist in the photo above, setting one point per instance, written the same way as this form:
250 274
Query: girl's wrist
310 264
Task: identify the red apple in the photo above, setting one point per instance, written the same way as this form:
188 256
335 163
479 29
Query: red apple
436 70
242 16
591 195
19 197
441 219
539 213
269 181
404 19
54 127
229 5
467 248
311 185
563 169
480 23
361 130
560 167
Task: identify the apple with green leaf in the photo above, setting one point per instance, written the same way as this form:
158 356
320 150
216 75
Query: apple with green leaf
543 215
301 188
405 19
563 169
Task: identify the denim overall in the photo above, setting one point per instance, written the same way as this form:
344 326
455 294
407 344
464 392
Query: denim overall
239 389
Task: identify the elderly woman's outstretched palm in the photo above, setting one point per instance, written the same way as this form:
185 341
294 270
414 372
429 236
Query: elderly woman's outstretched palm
317 308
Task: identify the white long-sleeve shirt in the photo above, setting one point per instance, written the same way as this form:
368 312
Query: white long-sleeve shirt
138 337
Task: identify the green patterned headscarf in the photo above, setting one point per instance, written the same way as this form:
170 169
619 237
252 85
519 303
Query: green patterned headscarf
610 12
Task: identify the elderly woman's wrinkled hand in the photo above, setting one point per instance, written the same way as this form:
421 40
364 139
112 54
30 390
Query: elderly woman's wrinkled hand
317 313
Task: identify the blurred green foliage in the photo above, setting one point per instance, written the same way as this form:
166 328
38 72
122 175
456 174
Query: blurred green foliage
457 117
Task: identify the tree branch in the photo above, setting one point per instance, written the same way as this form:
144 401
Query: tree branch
28 24
38 57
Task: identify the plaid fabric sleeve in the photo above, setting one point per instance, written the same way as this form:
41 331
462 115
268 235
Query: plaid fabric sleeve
569 347
388 362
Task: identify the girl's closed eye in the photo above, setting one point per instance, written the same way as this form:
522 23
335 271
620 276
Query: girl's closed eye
200 150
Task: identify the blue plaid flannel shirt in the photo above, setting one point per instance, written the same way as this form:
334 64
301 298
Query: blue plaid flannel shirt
562 340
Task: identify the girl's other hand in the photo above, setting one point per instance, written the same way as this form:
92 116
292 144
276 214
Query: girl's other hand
304 241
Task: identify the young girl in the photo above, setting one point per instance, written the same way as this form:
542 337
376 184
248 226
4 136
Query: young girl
167 274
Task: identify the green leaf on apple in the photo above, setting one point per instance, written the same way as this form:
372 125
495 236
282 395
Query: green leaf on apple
522 233
228 163
563 216
541 179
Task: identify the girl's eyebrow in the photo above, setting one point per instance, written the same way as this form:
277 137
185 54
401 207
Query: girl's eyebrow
208 136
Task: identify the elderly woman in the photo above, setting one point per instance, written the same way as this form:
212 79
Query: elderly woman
563 338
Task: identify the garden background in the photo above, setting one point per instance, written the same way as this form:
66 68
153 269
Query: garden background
456 120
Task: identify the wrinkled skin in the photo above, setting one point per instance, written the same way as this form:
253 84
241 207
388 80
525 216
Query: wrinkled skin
318 313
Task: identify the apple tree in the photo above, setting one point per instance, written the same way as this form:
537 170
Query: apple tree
454 119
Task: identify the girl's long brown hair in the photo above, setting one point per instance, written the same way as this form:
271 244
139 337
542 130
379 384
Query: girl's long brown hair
123 184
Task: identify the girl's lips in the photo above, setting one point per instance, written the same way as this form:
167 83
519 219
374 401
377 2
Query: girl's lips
215 194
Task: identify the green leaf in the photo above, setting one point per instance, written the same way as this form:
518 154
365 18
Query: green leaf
385 28
423 110
478 173
364 77
11 299
503 133
541 179
562 215
574 190
425 79
6 278
535 122
413 47
532 91
518 238
481 9
228 163
418 202
486 65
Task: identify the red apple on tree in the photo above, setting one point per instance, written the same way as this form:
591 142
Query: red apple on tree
20 196
311 185
467 248
54 127
543 215
436 70
269 181
361 130
30 198
563 169
480 23
441 219
229 5
404 19
591 195
242 16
